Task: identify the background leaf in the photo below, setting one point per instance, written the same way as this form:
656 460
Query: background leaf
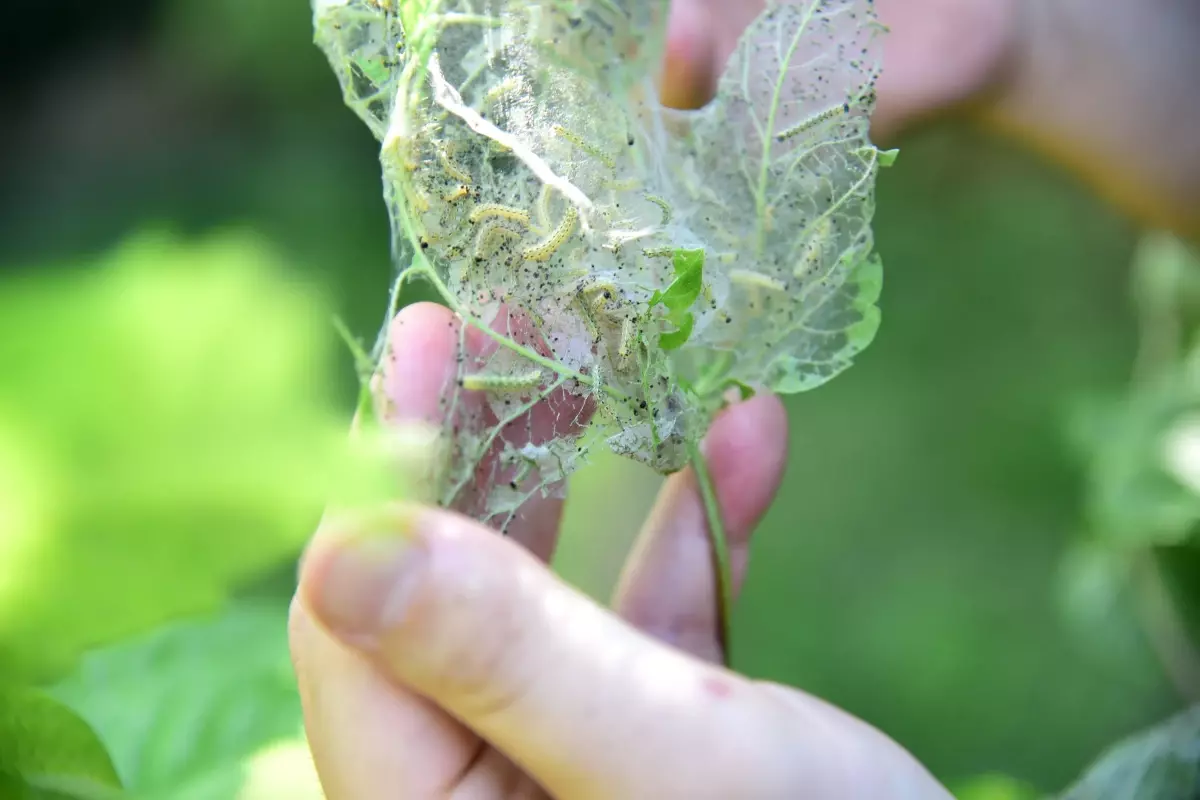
167 431
184 708
1159 764
48 750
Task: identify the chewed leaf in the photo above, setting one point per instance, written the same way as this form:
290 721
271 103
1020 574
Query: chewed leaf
614 255
364 51
789 175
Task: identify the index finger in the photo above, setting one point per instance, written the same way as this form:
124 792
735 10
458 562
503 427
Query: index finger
432 373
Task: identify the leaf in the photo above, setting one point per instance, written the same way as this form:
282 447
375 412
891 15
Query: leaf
689 279
1162 763
996 787
45 748
680 295
167 431
780 166
682 292
888 157
185 708
673 340
745 392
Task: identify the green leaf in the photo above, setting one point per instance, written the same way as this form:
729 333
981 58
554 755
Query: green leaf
682 292
673 340
689 279
183 709
680 295
888 157
168 430
1162 763
996 787
745 391
46 749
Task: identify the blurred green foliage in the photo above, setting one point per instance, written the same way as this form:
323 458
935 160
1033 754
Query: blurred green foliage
168 433
1163 762
987 459
200 713
48 751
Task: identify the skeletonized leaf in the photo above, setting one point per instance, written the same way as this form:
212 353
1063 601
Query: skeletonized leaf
781 172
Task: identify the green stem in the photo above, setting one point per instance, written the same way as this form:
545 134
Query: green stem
720 549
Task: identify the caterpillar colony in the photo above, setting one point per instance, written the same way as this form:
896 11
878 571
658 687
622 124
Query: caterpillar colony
617 266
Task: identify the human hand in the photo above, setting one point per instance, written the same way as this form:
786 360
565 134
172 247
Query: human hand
439 659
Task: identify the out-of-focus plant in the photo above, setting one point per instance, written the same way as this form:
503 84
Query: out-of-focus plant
167 433
1162 763
995 787
1142 454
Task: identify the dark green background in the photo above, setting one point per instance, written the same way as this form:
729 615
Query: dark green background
910 571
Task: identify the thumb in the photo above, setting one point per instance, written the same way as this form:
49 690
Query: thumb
588 706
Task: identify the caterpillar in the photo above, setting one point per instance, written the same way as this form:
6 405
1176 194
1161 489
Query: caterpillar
543 209
602 293
586 147
461 191
488 210
624 185
661 203
520 382
812 122
485 245
509 84
544 249
628 333
452 169
814 249
757 280
417 198
589 321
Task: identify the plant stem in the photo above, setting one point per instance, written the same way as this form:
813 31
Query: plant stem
722 569
1166 629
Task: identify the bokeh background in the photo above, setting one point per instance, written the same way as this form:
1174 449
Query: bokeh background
912 570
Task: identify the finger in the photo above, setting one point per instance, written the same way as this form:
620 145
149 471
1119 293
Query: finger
939 54
701 35
353 716
428 350
587 705
688 72
368 738
668 588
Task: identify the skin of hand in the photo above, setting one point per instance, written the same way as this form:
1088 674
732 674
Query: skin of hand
437 659
1107 88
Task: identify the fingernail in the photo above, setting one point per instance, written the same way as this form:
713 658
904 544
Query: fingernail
358 580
